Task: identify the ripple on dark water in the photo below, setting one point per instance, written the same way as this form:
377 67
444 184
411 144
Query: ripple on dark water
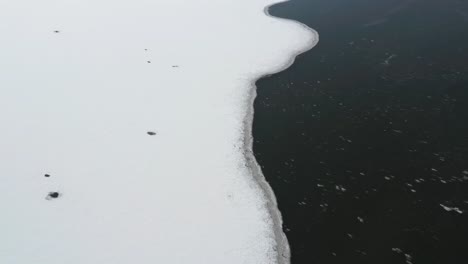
365 138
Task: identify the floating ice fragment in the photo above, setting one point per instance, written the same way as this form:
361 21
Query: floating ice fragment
449 209
387 61
340 188
343 138
408 259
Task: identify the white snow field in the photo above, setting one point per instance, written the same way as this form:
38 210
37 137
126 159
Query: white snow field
81 84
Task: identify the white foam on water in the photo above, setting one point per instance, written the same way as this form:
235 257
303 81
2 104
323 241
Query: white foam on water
140 112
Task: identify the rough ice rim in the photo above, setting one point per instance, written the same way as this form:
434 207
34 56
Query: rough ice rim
283 251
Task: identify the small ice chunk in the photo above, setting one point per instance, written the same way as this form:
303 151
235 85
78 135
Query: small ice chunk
408 258
449 209
340 188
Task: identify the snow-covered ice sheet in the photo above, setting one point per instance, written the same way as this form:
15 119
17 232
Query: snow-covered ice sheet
82 82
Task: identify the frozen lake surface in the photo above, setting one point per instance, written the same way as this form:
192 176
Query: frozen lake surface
125 131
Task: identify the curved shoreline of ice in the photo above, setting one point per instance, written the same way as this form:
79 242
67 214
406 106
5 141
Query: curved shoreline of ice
140 114
283 249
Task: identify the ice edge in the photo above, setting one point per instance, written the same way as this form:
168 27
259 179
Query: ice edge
283 252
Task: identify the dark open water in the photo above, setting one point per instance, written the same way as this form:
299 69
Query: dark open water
365 138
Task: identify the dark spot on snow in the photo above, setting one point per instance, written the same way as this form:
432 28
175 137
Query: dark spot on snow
53 195
149 61
175 66
47 175
151 133
56 31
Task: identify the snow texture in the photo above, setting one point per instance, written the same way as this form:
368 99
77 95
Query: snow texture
139 112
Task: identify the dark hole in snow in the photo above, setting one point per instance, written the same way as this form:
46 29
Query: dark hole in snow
47 175
149 61
53 195
56 31
151 133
